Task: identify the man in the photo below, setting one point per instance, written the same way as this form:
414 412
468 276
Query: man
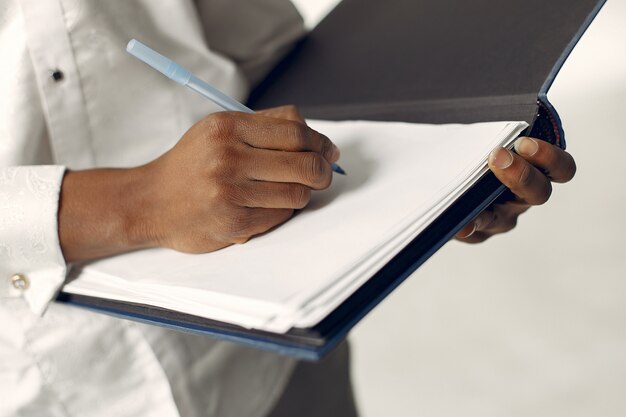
100 155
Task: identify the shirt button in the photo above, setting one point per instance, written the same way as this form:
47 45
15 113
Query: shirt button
57 75
20 282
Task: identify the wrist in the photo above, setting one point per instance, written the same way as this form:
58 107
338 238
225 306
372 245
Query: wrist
101 213
138 196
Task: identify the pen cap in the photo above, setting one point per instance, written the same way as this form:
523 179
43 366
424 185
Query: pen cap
157 61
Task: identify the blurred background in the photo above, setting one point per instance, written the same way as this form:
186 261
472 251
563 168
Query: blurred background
531 323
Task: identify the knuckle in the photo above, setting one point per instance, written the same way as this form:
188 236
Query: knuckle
504 220
221 125
299 135
526 176
232 193
327 146
288 214
545 194
238 225
509 224
221 190
222 161
549 156
299 196
293 111
313 169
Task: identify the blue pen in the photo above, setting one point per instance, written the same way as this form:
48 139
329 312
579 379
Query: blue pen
182 76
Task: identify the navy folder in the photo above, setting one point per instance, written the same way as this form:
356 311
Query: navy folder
423 61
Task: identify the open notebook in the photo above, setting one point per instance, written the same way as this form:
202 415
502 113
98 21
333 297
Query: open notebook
400 178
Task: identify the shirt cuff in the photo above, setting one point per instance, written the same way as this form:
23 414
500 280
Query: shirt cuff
31 262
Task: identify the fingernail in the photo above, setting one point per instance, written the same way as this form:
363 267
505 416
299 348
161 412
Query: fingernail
471 232
526 146
335 153
501 158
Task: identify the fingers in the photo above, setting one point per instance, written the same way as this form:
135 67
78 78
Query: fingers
306 168
265 132
523 179
475 231
500 218
274 195
482 221
286 135
466 231
475 237
528 175
557 164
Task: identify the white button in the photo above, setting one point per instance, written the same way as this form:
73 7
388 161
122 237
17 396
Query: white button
20 282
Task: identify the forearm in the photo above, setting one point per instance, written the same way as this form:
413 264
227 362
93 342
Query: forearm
100 213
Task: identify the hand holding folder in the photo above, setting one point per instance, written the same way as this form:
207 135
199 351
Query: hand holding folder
528 174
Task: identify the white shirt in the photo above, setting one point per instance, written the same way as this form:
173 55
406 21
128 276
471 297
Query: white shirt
105 108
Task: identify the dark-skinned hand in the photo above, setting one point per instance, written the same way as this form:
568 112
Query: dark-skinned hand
230 177
528 173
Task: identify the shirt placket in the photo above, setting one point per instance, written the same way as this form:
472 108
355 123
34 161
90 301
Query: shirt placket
58 82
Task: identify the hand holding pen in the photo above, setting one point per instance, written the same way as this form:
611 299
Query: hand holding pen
182 76
232 175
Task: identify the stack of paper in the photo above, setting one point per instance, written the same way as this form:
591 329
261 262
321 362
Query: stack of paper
400 178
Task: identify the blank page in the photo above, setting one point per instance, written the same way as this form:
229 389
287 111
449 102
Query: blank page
400 176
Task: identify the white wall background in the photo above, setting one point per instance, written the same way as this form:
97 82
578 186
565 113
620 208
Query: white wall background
532 323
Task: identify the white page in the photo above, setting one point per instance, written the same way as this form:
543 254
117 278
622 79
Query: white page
332 298
397 172
321 306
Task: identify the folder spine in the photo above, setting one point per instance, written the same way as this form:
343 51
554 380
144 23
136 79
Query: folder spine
547 116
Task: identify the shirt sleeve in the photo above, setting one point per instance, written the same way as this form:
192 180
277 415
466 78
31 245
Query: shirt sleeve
255 34
31 262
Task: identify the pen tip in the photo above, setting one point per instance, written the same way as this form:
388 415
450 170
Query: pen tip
338 169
